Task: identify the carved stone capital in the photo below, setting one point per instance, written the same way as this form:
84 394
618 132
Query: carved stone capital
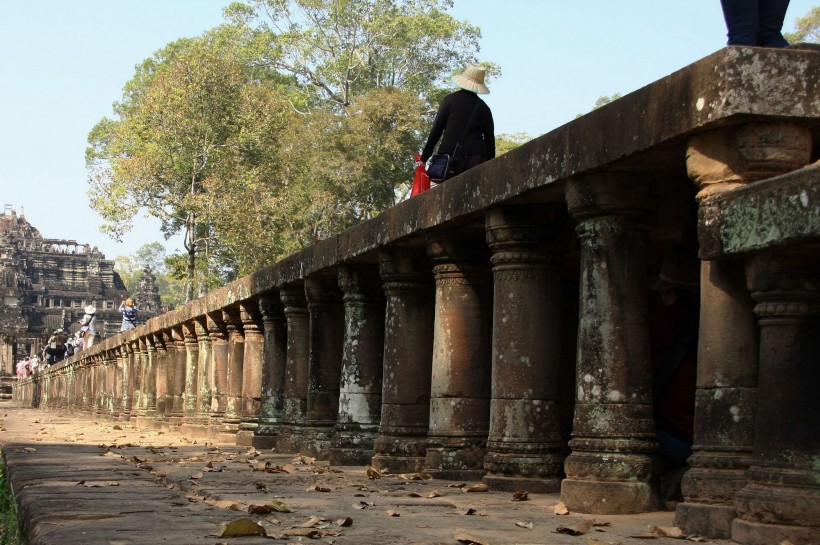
730 157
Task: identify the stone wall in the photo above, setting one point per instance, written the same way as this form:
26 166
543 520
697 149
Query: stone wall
497 326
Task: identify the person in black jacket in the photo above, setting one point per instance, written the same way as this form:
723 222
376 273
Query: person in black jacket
478 143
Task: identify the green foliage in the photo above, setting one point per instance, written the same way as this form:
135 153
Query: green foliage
294 121
10 533
338 49
507 142
807 28
602 101
152 257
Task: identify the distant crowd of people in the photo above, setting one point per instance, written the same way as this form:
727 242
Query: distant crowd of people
63 344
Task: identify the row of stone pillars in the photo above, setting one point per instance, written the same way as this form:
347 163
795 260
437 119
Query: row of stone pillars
462 359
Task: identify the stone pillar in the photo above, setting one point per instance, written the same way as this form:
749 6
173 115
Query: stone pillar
360 390
138 400
191 424
149 383
170 375
460 381
110 383
176 385
233 391
123 371
253 362
408 355
613 467
724 402
781 501
326 331
191 371
161 384
273 370
718 161
218 370
204 372
296 369
526 445
98 376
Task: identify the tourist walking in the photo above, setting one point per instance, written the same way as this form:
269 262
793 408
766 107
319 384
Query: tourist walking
89 326
464 123
129 315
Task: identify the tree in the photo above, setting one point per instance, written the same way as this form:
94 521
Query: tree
176 115
507 142
338 49
807 28
151 257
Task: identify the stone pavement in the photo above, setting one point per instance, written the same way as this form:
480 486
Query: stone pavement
92 481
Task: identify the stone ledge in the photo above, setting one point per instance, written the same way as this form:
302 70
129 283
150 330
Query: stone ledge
780 211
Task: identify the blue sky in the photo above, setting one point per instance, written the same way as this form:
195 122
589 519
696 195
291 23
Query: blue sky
63 63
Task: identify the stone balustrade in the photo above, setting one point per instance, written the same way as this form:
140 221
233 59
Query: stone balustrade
497 326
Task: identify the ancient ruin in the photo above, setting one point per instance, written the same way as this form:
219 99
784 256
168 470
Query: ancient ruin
498 324
47 282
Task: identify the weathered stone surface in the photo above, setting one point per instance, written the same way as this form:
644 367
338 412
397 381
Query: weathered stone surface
782 210
360 391
408 344
296 369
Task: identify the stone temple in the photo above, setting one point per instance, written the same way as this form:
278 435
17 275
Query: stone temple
46 283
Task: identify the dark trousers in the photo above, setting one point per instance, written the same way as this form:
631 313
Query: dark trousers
755 22
466 162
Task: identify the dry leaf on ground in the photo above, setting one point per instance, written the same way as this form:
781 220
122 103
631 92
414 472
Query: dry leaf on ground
666 531
578 529
520 496
347 521
480 487
527 525
373 473
392 513
241 527
433 494
560 509
311 522
317 488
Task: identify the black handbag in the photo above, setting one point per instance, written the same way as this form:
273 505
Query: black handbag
440 165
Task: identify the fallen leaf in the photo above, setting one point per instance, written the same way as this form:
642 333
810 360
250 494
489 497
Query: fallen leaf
256 509
278 506
197 475
347 521
666 531
393 513
413 495
223 504
560 509
373 473
27 450
363 505
304 460
462 485
241 527
480 487
700 539
317 488
469 511
591 541
520 496
116 427
527 525
311 522
644 536
577 529
433 494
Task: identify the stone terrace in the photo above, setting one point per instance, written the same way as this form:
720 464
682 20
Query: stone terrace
497 326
